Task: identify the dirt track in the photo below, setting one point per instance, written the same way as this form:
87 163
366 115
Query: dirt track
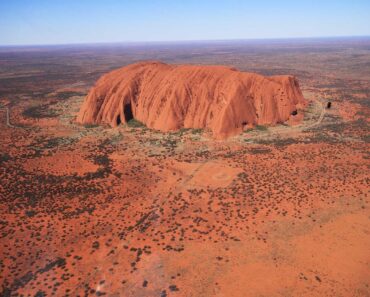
7 120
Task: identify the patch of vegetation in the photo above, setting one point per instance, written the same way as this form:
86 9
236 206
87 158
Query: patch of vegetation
366 138
248 130
44 144
133 123
260 150
56 142
22 281
261 128
30 213
68 94
285 142
280 142
230 155
242 175
90 126
39 112
4 158
338 127
184 131
181 132
30 189
116 138
170 143
323 137
196 131
203 154
102 160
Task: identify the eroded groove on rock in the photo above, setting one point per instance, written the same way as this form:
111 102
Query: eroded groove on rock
170 97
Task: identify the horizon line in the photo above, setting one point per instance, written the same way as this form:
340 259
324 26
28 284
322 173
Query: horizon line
143 42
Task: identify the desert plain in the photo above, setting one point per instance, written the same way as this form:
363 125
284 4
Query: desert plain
91 210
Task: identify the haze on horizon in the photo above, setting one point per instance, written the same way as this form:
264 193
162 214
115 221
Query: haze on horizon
41 22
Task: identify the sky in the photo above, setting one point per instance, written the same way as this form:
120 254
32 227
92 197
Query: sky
39 22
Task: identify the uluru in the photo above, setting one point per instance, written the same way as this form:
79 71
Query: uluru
169 97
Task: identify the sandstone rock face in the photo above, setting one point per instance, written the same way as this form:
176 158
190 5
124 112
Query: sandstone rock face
170 97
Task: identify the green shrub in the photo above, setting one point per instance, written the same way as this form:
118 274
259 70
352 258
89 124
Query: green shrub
39 112
133 123
196 131
68 94
261 128
88 126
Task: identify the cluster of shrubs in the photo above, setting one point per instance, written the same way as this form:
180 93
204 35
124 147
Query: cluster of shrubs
39 112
